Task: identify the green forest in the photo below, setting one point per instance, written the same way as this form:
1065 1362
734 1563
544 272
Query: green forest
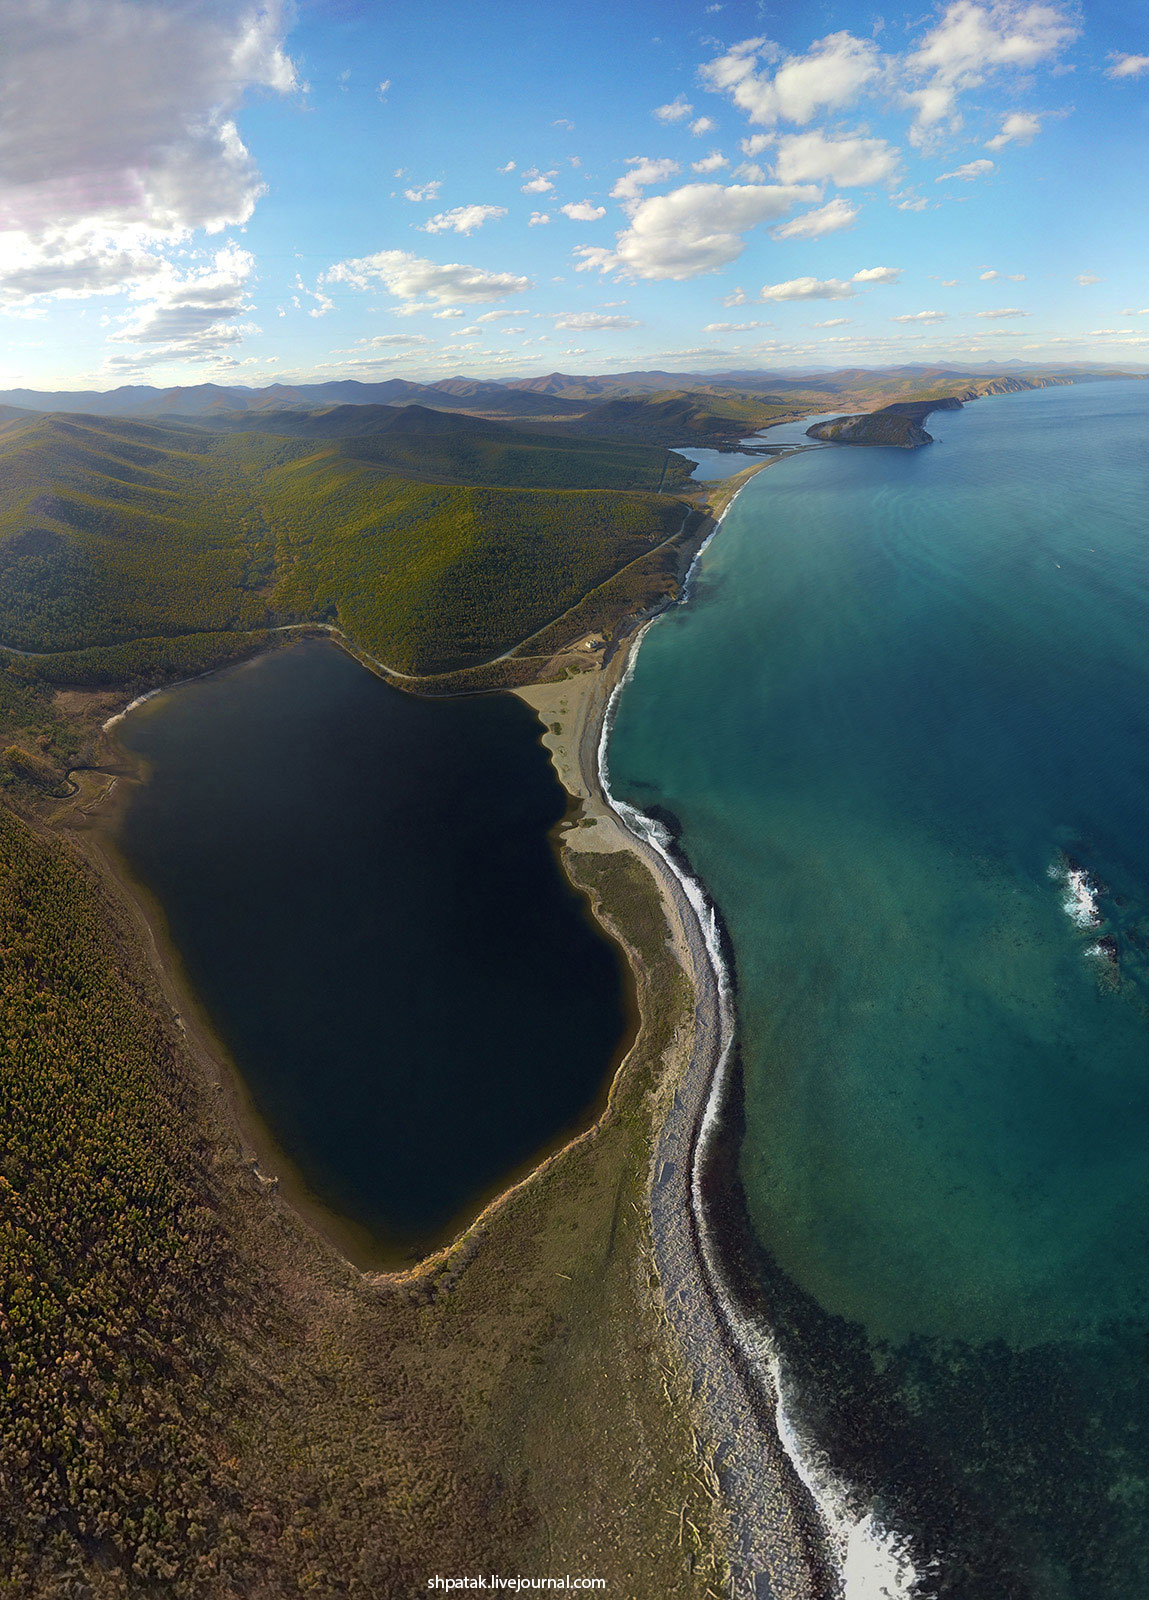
126 534
113 1270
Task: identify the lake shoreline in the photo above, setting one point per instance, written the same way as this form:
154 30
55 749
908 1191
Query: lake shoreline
91 819
91 834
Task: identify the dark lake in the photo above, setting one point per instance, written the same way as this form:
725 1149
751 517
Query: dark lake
364 893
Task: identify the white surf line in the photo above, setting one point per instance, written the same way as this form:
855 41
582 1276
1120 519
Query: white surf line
874 1562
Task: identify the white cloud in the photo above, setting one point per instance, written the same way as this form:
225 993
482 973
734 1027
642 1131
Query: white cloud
676 111
838 213
696 229
734 327
973 40
834 322
829 76
539 184
1086 278
463 219
497 316
1016 277
701 125
594 321
447 315
878 275
990 276
967 174
596 258
923 316
812 158
1127 66
1131 313
384 341
951 283
510 167
749 172
644 170
76 262
323 303
409 277
423 192
809 289
756 143
714 162
1004 311
539 219
932 106
192 315
583 211
382 89
118 134
1020 127
825 288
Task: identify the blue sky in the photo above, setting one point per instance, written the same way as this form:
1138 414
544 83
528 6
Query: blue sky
197 190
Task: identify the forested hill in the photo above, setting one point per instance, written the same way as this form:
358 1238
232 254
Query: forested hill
434 542
899 425
447 447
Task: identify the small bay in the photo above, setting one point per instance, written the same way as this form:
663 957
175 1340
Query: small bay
362 889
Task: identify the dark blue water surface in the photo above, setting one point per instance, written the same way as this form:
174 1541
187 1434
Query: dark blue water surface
904 723
363 891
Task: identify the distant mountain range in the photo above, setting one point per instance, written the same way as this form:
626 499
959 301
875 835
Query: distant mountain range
555 395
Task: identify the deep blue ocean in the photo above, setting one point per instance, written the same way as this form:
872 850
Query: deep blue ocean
903 725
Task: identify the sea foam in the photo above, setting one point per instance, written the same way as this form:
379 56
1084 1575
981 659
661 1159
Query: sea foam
1080 899
873 1561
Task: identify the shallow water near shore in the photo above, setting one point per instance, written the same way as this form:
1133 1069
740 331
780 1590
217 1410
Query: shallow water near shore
362 889
903 724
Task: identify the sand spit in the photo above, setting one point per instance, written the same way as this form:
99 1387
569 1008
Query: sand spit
771 1551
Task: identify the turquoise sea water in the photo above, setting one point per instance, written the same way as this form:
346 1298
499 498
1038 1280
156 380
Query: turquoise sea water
903 724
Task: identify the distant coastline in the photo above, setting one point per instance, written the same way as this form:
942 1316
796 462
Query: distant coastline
901 424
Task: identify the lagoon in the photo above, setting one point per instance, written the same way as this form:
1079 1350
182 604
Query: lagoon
363 891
